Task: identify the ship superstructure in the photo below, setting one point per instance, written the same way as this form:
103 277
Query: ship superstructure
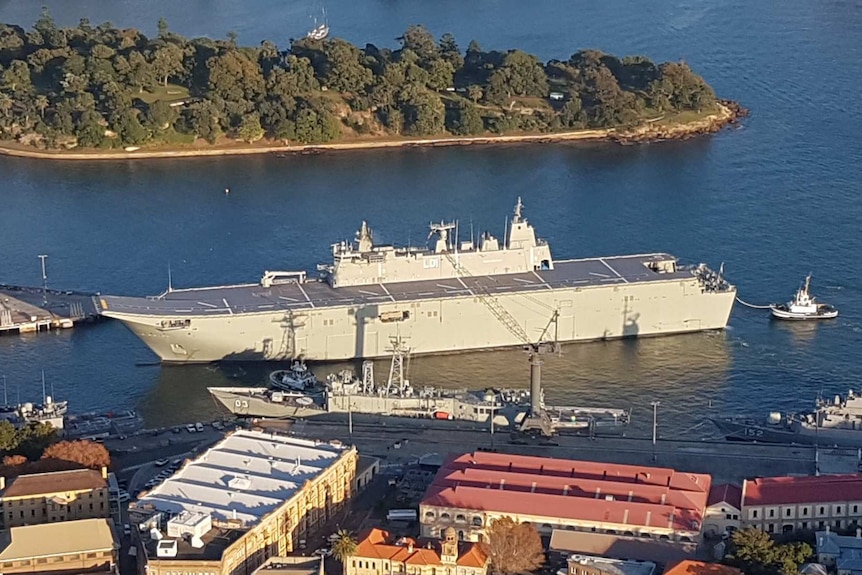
456 296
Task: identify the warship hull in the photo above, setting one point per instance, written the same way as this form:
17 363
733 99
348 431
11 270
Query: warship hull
577 300
239 401
754 432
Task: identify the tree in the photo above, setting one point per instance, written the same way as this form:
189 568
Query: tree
344 546
160 115
163 28
424 112
467 121
343 70
756 553
33 438
167 61
88 454
513 547
419 40
17 76
8 436
250 129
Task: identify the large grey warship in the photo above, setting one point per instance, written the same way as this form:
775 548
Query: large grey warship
456 296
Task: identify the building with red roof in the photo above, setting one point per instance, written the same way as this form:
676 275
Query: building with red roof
379 553
688 567
783 504
473 489
723 509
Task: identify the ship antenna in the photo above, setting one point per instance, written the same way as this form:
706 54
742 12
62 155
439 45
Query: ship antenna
43 387
471 233
506 234
170 282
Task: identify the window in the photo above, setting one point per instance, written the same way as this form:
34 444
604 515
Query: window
805 512
32 513
445 516
727 516
477 521
788 512
772 512
838 509
735 516
855 509
429 514
754 513
460 518
822 510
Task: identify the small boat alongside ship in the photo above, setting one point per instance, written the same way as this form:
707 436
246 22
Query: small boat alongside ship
803 306
835 423
297 378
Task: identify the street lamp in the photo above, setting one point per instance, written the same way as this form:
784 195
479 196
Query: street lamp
43 257
655 405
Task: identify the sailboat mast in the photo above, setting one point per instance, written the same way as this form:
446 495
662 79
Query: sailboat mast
43 387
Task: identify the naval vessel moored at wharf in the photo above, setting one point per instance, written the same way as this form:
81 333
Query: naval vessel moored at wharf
458 296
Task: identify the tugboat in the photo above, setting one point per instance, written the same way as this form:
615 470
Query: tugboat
297 378
803 306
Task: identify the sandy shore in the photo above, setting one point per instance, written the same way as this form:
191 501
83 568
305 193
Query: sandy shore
728 113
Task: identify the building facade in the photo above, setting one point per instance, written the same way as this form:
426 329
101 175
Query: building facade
723 510
593 565
83 546
54 497
785 504
472 490
252 496
378 553
841 554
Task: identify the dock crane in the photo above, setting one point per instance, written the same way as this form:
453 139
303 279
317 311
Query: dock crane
537 419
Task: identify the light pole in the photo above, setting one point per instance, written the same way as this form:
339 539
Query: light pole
655 405
350 417
43 257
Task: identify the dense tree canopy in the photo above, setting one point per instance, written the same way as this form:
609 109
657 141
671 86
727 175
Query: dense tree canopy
104 87
756 553
513 547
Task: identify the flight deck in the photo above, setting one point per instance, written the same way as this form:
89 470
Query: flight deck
251 298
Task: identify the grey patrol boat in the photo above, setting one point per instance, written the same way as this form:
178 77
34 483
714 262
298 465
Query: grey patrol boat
344 393
454 296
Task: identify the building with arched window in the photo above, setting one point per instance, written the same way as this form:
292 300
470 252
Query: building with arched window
472 490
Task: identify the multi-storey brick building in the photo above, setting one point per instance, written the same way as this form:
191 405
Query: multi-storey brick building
250 497
52 497
83 546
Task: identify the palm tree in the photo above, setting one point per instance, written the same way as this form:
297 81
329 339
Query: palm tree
344 546
42 103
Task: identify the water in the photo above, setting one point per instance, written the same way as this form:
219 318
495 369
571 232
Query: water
773 200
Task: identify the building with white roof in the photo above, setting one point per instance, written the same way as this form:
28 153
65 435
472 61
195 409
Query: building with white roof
251 496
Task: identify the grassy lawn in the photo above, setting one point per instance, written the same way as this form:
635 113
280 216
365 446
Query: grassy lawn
684 117
169 93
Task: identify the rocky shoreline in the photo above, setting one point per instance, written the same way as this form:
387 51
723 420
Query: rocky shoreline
729 113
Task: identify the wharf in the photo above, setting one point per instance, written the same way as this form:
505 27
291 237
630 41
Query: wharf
28 309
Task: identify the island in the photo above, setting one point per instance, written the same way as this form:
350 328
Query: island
103 92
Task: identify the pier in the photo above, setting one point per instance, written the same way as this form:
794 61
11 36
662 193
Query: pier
30 309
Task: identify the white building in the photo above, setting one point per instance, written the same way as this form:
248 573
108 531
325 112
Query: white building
723 510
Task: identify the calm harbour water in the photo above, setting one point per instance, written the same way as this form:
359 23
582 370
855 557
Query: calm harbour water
774 199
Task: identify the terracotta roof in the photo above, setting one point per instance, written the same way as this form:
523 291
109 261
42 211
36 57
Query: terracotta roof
378 544
579 490
815 489
688 567
57 482
725 493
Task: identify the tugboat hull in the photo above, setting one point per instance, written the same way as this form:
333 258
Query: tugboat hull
823 312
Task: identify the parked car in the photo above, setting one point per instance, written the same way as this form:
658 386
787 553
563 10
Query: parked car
190 428
123 496
199 427
161 462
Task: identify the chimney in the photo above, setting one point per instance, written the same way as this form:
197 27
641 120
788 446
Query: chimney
410 546
663 498
2 483
104 472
